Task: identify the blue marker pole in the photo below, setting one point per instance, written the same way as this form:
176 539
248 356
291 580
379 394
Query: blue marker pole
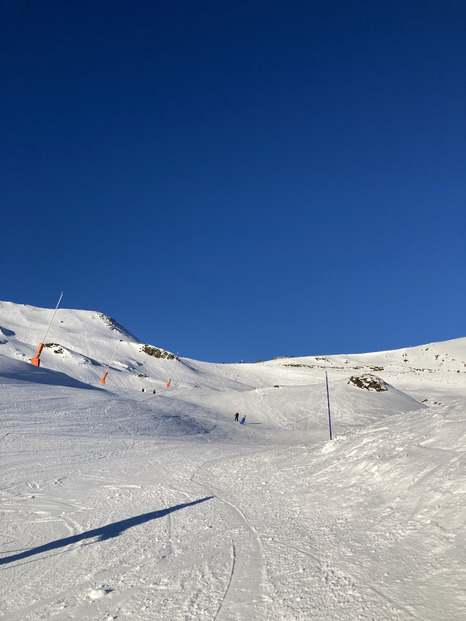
328 403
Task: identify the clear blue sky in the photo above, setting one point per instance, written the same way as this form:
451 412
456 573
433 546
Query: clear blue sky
238 180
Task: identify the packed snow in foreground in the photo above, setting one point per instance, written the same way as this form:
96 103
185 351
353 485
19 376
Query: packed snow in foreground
121 503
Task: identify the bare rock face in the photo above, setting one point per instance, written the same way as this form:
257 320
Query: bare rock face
369 382
156 352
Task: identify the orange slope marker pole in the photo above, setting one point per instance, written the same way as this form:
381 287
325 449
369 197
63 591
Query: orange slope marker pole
102 381
36 361
169 382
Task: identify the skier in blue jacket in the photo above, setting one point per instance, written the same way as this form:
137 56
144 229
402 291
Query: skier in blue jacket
243 420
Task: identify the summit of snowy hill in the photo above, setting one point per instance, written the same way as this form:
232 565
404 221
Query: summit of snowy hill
144 498
80 343
32 321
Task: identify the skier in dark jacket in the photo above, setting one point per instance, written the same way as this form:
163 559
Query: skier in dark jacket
236 416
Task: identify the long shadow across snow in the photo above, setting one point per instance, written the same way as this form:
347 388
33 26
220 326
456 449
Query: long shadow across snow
103 533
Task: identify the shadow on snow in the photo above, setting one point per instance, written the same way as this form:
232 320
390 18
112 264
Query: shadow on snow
103 533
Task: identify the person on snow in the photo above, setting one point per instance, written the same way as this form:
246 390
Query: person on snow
243 420
236 416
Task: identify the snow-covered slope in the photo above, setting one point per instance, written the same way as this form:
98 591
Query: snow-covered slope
118 503
79 343
286 393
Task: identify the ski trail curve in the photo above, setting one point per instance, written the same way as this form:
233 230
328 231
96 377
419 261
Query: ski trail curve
243 599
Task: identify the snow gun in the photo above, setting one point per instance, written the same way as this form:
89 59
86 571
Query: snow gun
36 361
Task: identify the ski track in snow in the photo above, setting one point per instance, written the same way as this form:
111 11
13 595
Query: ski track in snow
243 594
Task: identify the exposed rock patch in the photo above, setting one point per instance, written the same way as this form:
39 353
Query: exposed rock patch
157 353
369 382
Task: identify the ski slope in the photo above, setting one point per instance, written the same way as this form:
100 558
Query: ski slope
118 503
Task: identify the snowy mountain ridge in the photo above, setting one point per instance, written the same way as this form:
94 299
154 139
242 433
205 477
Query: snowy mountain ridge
91 338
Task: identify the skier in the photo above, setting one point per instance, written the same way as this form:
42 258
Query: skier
236 416
243 420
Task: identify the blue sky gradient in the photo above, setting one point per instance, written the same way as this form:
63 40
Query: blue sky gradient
237 181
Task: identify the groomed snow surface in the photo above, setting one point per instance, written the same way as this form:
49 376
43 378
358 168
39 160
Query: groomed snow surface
118 503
